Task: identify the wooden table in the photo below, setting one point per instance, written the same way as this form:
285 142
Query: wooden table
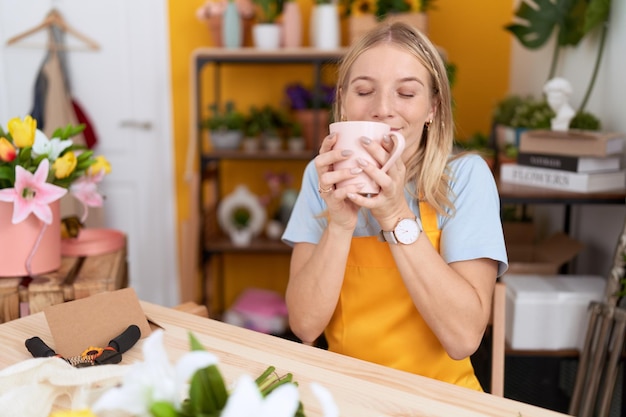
359 388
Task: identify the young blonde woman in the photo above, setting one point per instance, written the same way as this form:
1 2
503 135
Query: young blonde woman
403 278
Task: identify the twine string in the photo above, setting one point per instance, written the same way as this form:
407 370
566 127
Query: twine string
34 249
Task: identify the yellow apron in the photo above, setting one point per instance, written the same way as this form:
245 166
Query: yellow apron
376 319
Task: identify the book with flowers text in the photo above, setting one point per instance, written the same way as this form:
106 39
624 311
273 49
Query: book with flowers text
581 182
572 142
571 163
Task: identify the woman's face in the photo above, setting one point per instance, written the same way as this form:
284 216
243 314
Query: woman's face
389 85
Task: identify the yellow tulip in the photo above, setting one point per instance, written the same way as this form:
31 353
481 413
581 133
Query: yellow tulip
100 164
23 131
7 150
65 165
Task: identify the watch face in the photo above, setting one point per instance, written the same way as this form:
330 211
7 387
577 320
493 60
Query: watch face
407 231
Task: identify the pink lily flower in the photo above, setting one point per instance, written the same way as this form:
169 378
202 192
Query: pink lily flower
85 189
32 194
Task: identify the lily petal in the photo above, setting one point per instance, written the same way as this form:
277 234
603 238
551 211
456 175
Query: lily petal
325 398
32 194
85 189
282 402
52 148
245 400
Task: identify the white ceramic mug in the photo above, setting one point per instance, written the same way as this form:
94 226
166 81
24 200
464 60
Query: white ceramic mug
349 136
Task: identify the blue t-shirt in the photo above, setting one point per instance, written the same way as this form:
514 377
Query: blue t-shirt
474 231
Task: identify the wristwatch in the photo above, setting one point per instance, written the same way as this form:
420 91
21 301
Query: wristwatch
406 232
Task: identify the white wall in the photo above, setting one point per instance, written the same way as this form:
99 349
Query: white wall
598 227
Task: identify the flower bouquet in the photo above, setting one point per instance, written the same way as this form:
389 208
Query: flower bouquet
35 172
193 387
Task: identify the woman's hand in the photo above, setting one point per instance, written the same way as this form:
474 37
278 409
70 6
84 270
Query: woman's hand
341 211
389 204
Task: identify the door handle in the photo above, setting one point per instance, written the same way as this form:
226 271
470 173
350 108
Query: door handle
136 124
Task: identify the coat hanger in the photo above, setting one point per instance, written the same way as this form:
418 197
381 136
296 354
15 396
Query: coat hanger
54 18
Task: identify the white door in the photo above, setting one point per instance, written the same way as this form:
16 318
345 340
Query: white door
124 87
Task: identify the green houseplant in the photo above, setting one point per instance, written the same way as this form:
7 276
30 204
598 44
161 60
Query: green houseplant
225 126
266 30
268 11
536 20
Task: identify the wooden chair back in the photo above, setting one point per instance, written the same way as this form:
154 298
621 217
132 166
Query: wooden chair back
598 364
498 341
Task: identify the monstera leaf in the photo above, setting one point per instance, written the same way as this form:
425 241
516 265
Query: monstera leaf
537 22
537 19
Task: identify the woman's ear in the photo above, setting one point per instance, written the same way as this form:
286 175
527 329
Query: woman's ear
432 113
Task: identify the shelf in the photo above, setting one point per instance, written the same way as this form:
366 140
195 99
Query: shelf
214 243
520 194
305 55
258 155
223 244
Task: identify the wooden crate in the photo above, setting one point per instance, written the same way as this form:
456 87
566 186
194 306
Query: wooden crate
9 299
78 277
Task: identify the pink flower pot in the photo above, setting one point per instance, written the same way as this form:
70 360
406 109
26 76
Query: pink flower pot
18 240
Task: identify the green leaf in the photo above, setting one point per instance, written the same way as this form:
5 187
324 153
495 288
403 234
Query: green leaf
7 172
207 391
597 13
536 23
24 157
163 409
195 343
84 156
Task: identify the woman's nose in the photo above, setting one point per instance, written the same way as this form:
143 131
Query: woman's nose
382 107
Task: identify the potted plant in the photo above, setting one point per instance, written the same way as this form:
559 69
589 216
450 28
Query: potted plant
241 215
515 114
311 109
266 30
252 132
479 143
362 16
536 20
270 125
225 126
295 141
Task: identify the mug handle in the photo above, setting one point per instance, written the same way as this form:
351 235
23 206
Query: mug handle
398 148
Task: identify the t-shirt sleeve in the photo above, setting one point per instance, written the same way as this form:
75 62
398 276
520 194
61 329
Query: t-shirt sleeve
475 229
306 223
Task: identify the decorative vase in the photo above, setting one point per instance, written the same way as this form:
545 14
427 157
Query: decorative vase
266 35
291 36
232 29
19 243
241 199
214 24
314 125
325 32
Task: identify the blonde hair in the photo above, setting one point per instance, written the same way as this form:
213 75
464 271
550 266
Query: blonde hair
428 167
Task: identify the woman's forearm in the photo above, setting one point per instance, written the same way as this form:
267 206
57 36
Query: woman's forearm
315 280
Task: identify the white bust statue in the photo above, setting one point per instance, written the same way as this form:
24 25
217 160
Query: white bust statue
558 90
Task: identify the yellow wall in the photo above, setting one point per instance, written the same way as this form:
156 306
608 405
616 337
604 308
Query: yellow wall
471 32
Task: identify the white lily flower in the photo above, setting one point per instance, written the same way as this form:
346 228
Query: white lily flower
246 400
50 147
325 398
154 380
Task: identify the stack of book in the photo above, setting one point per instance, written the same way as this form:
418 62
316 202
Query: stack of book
577 161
